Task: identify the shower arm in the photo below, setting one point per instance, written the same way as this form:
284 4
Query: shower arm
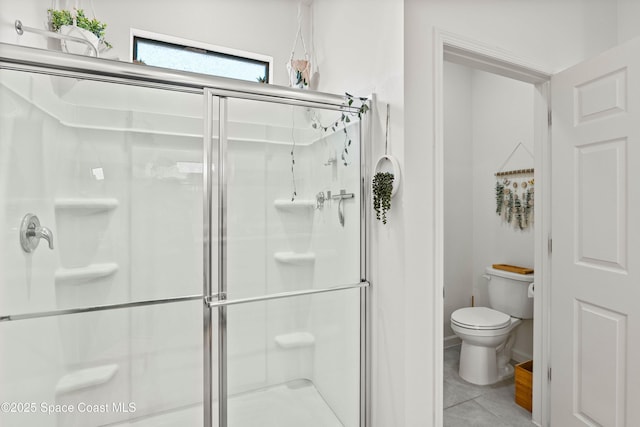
20 29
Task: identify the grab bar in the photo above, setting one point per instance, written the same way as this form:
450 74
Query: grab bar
20 29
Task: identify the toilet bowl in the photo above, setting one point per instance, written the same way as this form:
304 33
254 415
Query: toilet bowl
488 334
485 333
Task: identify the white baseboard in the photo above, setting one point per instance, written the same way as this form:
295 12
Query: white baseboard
451 340
520 356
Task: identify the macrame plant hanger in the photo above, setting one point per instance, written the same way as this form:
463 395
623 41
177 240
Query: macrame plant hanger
388 163
299 70
514 197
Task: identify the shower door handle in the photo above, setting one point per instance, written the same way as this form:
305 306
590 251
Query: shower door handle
31 232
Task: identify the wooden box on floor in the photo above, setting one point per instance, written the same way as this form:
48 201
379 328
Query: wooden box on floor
524 384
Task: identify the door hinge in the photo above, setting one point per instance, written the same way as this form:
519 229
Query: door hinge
549 119
549 374
550 244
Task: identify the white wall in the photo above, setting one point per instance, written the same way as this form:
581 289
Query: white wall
359 49
553 35
459 212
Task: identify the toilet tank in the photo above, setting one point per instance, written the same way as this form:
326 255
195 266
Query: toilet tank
508 293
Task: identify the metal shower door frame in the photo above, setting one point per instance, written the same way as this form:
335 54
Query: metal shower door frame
218 301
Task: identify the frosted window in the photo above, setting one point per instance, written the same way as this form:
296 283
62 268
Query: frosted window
186 58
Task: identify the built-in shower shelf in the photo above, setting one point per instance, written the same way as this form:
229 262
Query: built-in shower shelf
295 340
295 257
85 274
86 204
84 378
299 204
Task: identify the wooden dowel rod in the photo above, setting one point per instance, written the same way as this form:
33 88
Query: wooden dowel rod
515 172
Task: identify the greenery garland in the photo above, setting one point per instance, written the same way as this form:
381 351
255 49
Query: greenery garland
382 187
343 121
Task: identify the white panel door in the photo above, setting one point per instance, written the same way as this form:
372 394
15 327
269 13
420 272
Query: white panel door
595 291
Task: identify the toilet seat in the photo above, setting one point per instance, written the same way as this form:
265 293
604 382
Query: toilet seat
480 318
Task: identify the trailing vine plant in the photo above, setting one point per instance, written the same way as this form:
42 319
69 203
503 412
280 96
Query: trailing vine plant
343 121
382 187
340 123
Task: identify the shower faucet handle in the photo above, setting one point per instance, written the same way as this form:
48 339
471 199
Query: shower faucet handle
31 232
44 233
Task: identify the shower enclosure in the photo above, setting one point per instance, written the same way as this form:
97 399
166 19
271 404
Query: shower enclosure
178 249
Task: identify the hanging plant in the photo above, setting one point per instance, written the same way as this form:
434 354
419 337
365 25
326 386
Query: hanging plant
382 188
300 73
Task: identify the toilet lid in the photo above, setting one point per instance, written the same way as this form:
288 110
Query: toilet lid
480 318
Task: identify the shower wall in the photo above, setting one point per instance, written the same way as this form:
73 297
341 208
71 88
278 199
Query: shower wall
116 173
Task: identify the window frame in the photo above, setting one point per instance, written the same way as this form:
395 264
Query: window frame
220 50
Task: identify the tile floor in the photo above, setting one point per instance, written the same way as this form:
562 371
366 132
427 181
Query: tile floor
468 405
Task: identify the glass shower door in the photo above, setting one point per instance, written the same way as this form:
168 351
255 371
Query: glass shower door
292 224
104 326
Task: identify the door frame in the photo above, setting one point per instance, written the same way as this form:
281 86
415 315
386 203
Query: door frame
466 51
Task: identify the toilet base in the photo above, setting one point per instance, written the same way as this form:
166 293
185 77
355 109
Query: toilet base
479 365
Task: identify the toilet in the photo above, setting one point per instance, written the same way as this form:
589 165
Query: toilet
488 334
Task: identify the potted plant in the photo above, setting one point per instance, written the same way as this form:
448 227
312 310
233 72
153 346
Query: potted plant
382 188
75 23
299 73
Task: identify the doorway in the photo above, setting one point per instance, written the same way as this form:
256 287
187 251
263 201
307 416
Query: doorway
481 58
489 195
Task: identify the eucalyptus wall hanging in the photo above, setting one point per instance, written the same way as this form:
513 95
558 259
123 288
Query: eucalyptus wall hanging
514 194
514 198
